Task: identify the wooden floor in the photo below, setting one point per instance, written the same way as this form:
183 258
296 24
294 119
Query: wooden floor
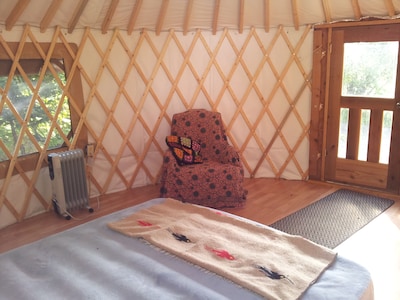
376 246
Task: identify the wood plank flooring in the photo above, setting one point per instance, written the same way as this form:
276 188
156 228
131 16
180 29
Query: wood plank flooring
376 246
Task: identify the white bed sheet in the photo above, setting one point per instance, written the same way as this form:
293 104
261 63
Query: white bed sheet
93 262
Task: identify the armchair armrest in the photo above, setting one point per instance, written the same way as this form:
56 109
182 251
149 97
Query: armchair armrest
226 154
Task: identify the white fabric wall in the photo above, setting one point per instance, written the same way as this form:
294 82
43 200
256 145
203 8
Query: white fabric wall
273 67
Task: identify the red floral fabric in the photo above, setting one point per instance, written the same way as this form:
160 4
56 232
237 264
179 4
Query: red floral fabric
218 181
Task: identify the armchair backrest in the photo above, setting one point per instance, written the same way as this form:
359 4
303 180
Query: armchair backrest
203 126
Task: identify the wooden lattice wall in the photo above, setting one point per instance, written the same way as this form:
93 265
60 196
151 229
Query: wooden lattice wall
259 81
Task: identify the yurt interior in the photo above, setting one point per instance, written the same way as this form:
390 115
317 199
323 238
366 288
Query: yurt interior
306 94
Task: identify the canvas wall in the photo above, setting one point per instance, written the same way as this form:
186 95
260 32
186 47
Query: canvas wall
259 81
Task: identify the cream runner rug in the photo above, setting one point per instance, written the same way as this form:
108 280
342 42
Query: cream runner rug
269 262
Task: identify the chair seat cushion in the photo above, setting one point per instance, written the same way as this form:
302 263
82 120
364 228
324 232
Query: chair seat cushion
211 184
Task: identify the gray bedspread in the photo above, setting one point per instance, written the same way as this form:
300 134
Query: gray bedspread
93 262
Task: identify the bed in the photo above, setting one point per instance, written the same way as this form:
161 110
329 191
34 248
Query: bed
92 261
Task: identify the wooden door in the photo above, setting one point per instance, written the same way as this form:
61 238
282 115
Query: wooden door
363 124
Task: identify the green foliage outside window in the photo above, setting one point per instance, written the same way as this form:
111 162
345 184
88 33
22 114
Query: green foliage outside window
38 123
369 69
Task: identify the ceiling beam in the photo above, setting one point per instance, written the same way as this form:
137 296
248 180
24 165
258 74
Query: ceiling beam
16 13
327 11
188 17
77 14
356 9
266 15
390 8
50 13
161 16
134 16
109 16
215 17
21 5
295 13
241 16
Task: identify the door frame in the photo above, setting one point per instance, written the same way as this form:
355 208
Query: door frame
319 166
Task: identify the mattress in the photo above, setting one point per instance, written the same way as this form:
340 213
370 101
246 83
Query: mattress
92 261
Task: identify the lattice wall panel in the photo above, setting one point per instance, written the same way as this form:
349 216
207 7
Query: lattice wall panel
133 84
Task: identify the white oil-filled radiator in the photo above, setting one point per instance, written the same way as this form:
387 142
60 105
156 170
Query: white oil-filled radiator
69 183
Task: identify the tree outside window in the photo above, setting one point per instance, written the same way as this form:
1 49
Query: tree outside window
45 107
40 106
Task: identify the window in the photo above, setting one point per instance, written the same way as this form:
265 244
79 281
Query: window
35 111
47 106
369 70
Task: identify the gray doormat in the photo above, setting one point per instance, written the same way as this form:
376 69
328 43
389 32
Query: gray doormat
335 218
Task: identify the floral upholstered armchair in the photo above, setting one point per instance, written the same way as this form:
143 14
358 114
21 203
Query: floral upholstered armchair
201 167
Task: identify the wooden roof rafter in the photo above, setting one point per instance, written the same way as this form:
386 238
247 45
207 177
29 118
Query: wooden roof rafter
266 15
356 8
215 17
327 11
188 16
77 14
109 16
50 13
161 16
241 16
16 13
21 13
295 12
390 8
134 16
